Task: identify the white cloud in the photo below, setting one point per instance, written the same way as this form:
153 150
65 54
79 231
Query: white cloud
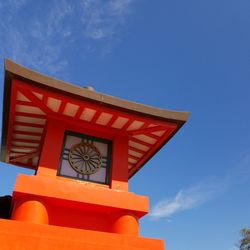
102 18
41 34
203 192
120 7
189 198
13 5
36 41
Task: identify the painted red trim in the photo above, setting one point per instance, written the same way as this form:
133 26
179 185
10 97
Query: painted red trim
141 142
26 89
26 156
145 125
148 135
112 120
50 156
15 151
25 103
153 136
62 107
19 132
147 130
23 147
134 157
40 147
119 175
19 154
24 165
45 99
152 150
130 166
77 102
11 121
25 140
96 116
137 150
127 124
106 112
34 99
79 112
30 161
29 124
85 124
30 115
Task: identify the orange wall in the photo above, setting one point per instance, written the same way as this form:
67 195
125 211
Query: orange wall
15 235
71 204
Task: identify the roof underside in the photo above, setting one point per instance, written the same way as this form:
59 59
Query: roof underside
30 98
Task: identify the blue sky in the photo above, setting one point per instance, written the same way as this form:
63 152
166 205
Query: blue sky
181 55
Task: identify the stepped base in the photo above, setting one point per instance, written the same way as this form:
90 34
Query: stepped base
16 235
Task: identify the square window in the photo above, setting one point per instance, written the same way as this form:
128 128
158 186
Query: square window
85 158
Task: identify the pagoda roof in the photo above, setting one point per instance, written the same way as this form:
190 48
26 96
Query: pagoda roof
30 98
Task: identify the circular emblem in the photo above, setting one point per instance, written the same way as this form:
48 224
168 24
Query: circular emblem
85 158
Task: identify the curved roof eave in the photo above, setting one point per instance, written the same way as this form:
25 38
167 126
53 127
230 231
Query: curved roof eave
14 70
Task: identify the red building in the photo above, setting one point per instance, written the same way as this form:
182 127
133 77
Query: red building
84 147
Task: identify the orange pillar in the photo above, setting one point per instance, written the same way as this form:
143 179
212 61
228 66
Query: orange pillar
126 223
30 210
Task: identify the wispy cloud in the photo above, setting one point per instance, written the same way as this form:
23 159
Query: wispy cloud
189 198
101 19
203 192
42 34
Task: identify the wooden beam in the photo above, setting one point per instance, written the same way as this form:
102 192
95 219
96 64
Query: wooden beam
140 142
30 115
96 116
39 103
112 120
79 112
134 157
127 124
25 140
27 156
24 103
152 150
26 124
136 150
23 147
20 132
147 130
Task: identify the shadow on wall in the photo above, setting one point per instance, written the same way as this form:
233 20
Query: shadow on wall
5 206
